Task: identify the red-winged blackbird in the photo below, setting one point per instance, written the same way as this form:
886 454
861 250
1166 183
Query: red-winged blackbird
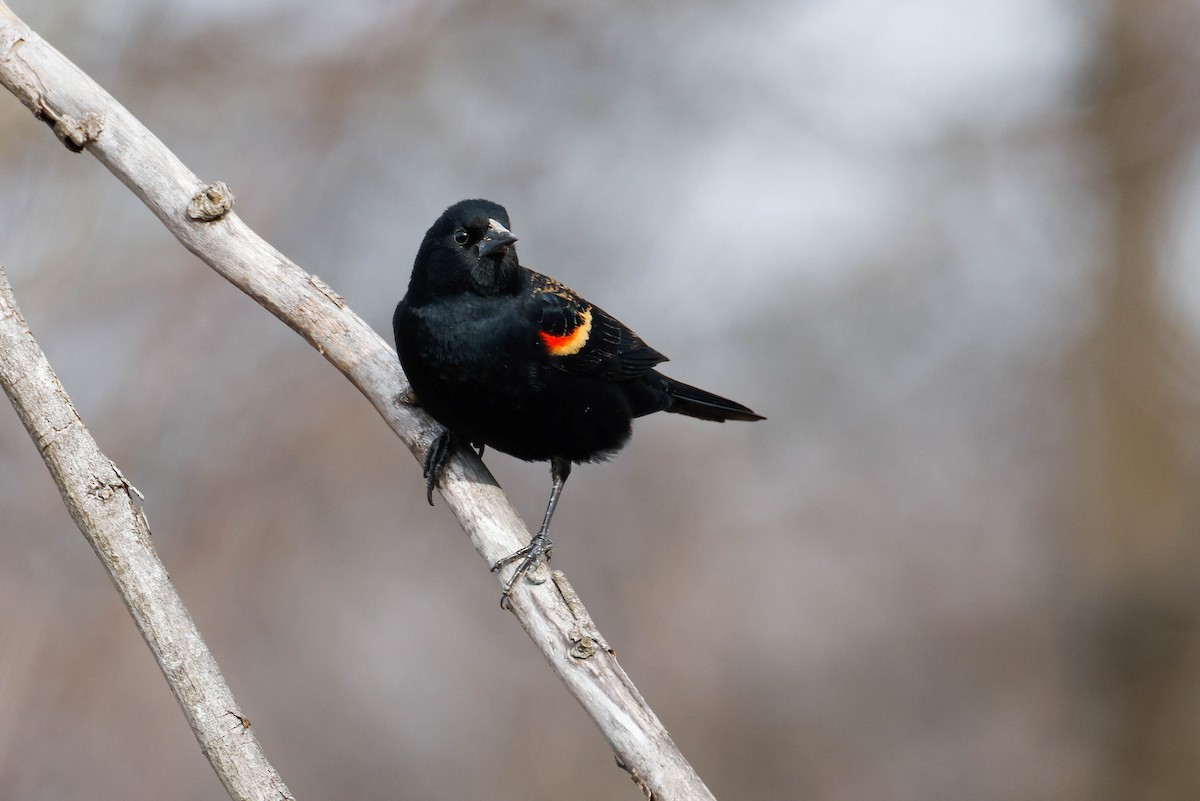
507 358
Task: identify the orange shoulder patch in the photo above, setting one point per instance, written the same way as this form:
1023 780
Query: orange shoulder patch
571 342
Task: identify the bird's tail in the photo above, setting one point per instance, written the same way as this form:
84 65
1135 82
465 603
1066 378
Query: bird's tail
695 402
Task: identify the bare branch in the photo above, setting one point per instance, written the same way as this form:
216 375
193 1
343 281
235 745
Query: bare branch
83 116
101 502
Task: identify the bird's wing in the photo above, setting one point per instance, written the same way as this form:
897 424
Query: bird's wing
582 338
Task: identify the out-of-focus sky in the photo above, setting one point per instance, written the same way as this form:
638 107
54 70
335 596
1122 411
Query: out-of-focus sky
947 248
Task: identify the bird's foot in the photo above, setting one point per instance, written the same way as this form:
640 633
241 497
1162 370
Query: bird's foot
436 458
530 556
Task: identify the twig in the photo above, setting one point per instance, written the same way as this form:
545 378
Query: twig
86 117
101 502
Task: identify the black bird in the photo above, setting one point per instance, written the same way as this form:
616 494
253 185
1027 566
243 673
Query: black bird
507 358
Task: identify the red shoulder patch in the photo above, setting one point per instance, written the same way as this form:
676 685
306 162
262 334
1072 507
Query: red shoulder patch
571 342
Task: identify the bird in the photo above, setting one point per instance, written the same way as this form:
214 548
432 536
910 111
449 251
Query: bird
507 358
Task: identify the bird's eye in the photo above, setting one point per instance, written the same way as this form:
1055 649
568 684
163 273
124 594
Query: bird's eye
461 236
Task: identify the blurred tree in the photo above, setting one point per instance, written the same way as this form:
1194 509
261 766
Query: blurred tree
1140 482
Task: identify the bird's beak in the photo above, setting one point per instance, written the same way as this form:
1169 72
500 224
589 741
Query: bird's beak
495 240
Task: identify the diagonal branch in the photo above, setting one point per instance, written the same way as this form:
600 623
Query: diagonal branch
84 116
101 502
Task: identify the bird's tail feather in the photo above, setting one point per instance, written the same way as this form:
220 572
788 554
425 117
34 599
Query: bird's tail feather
695 402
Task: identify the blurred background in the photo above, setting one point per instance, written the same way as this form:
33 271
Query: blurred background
949 249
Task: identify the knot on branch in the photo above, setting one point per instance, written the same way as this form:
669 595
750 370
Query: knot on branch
585 638
103 490
211 203
75 134
243 721
23 81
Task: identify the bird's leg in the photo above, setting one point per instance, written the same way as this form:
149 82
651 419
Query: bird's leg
435 462
539 547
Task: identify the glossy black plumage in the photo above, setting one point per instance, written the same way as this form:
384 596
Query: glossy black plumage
510 359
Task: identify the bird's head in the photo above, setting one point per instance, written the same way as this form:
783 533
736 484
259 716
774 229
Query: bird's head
469 248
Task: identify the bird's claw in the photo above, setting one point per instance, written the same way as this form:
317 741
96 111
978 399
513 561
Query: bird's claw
530 556
435 462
